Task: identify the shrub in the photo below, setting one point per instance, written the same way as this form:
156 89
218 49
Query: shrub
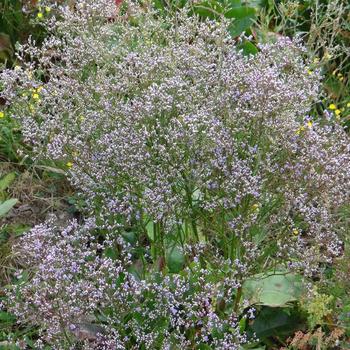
168 123
173 137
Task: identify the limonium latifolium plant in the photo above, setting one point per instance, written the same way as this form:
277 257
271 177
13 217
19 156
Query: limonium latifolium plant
82 299
174 139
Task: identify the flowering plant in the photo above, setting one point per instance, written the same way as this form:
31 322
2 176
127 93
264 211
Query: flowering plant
173 137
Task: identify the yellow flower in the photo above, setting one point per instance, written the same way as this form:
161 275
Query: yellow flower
309 124
316 60
81 118
255 206
302 128
339 75
309 72
48 9
332 106
348 104
36 96
295 232
69 164
341 78
40 15
39 89
337 111
31 108
2 114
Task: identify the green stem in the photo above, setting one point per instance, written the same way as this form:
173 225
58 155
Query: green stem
192 217
237 299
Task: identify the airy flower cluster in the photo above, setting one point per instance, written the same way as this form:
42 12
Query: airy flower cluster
172 135
78 296
166 121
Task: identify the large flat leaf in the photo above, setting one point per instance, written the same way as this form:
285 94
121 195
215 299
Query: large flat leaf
240 12
150 230
7 180
175 259
275 322
274 290
235 3
242 19
6 206
249 48
130 237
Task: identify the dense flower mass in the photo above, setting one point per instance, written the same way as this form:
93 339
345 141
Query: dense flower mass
173 137
79 296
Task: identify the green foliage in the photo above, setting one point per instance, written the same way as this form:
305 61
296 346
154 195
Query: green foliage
318 308
240 14
324 27
175 259
10 139
6 181
17 25
242 19
6 206
276 322
277 289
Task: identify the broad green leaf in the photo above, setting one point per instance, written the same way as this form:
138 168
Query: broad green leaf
275 322
7 180
249 48
235 3
240 12
242 19
111 253
130 237
6 206
150 230
175 259
19 229
274 290
6 317
242 324
136 269
256 3
258 233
